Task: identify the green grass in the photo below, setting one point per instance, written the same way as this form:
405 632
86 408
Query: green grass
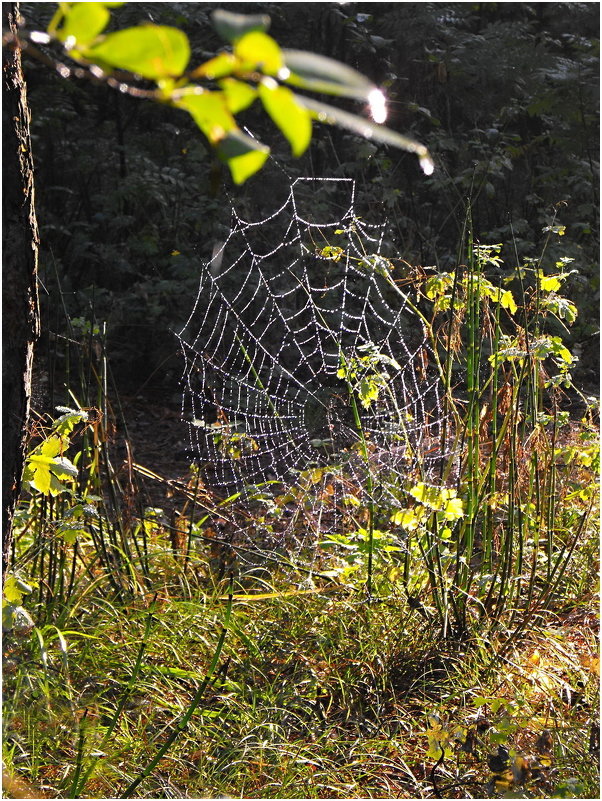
316 696
141 660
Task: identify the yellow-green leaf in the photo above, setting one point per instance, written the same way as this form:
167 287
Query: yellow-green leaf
153 51
210 112
368 390
408 519
83 22
507 301
549 283
238 95
293 120
243 155
15 588
454 509
219 67
257 50
41 478
50 447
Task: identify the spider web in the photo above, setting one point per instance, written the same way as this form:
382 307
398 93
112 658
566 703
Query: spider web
295 323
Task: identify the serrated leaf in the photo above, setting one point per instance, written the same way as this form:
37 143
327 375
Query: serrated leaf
549 283
231 26
152 51
67 421
293 120
322 74
507 301
368 130
243 155
257 50
210 112
84 22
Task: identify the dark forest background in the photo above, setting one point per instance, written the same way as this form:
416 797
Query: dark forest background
130 198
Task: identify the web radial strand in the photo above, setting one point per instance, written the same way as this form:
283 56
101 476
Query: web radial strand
281 307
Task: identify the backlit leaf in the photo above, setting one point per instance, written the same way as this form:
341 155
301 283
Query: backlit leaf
210 112
293 120
219 67
83 22
507 301
549 283
368 390
368 130
454 509
321 74
152 51
408 519
243 155
257 50
231 26
238 95
15 588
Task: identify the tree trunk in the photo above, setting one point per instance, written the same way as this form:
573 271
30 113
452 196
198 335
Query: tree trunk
20 320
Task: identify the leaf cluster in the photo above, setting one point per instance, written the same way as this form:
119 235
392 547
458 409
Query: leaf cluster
253 67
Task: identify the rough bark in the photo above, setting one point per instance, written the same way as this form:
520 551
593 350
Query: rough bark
20 319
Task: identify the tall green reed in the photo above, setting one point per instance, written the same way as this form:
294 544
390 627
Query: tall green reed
490 537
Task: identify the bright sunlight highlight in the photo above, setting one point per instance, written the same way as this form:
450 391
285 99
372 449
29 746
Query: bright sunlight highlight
378 105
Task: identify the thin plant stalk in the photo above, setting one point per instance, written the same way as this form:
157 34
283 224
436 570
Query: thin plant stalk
185 719
77 786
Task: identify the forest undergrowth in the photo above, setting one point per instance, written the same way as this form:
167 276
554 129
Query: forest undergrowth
439 645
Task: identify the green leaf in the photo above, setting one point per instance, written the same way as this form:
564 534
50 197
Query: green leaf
368 130
70 534
152 51
257 50
63 468
368 390
321 74
65 424
45 467
231 26
84 22
563 308
243 155
15 588
293 120
15 617
210 112
238 95
219 67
